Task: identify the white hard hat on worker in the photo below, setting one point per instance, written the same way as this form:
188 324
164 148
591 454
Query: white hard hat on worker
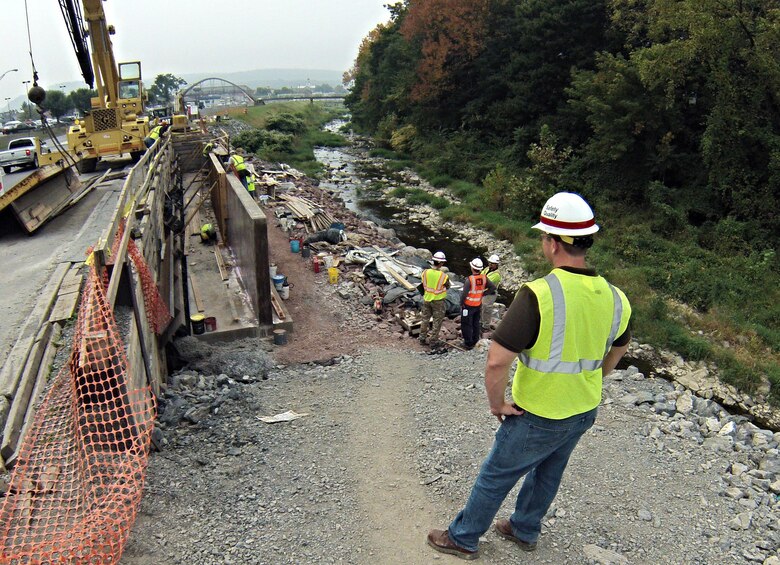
476 264
567 214
439 257
494 259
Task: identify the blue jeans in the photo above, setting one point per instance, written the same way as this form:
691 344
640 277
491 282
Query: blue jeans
529 445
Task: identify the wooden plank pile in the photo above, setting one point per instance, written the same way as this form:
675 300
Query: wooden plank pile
307 212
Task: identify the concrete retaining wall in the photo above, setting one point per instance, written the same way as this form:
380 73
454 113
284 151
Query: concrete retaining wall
245 229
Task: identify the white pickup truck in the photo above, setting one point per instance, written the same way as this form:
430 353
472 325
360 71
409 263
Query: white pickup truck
23 152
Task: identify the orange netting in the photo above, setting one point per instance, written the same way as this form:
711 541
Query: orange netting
76 488
157 313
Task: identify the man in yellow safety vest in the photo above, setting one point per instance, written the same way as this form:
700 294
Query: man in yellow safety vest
491 272
236 164
435 284
567 330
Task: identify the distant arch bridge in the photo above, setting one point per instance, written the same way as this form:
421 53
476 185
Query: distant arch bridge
216 88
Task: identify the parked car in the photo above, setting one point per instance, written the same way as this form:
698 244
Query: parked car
15 126
23 152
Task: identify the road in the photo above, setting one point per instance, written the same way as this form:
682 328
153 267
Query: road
29 260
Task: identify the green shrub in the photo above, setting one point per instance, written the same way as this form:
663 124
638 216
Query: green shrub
286 123
264 140
404 139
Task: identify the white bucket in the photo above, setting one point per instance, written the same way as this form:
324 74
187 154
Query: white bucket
328 261
272 271
285 292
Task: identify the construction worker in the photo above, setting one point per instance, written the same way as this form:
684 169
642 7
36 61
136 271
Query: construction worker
208 233
250 185
435 284
236 164
208 148
471 303
566 330
155 134
491 271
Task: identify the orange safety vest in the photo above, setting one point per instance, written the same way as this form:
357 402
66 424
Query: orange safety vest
434 285
477 287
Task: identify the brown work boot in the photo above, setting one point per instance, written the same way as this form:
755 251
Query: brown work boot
440 541
504 529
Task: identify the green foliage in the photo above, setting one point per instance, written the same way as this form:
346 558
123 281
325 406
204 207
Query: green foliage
286 123
258 140
80 99
163 88
403 139
57 103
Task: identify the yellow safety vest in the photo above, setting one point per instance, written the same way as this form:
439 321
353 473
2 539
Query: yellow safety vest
433 282
155 133
207 149
493 276
238 162
580 317
250 185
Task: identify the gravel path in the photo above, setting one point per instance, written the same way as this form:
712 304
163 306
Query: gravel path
389 448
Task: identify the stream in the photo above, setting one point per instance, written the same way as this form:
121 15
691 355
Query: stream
361 181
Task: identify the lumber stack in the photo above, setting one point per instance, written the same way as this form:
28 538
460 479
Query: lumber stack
307 212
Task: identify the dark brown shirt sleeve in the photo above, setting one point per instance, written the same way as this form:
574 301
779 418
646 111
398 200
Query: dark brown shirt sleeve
519 327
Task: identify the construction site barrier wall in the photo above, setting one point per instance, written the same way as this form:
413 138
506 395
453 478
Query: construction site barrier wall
79 461
245 229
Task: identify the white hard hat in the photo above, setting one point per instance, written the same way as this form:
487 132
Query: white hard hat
494 259
476 263
439 257
567 214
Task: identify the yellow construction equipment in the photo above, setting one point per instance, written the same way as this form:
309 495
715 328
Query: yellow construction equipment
115 123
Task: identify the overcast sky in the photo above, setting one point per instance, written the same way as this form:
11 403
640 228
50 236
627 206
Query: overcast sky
190 36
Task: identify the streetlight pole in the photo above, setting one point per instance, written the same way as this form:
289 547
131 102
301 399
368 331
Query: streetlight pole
25 83
8 71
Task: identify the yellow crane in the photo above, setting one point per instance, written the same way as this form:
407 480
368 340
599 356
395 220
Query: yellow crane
115 123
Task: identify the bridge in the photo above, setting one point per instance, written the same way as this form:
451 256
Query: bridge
213 91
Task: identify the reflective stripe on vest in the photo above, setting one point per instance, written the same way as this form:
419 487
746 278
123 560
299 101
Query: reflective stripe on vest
155 133
581 316
477 285
433 282
555 363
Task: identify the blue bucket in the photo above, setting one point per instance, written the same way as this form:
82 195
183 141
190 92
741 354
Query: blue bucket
279 281
295 245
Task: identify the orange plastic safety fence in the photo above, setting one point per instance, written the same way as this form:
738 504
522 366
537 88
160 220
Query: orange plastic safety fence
157 313
75 491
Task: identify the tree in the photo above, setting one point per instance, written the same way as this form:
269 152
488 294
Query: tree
56 103
80 99
163 88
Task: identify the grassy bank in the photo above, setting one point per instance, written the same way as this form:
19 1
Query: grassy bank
287 132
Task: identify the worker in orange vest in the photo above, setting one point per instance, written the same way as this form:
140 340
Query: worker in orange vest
471 303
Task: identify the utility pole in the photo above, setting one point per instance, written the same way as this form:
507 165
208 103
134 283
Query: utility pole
25 83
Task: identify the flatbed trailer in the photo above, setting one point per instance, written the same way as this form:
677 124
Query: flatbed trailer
41 195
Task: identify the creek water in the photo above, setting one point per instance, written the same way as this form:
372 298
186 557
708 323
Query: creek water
361 182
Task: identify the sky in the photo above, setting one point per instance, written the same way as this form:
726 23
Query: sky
189 36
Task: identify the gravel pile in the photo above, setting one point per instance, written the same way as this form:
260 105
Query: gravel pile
390 445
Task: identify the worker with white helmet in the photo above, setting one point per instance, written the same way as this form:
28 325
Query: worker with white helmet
471 303
567 330
435 284
491 271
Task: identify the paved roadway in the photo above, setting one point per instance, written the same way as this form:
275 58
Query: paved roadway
29 260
